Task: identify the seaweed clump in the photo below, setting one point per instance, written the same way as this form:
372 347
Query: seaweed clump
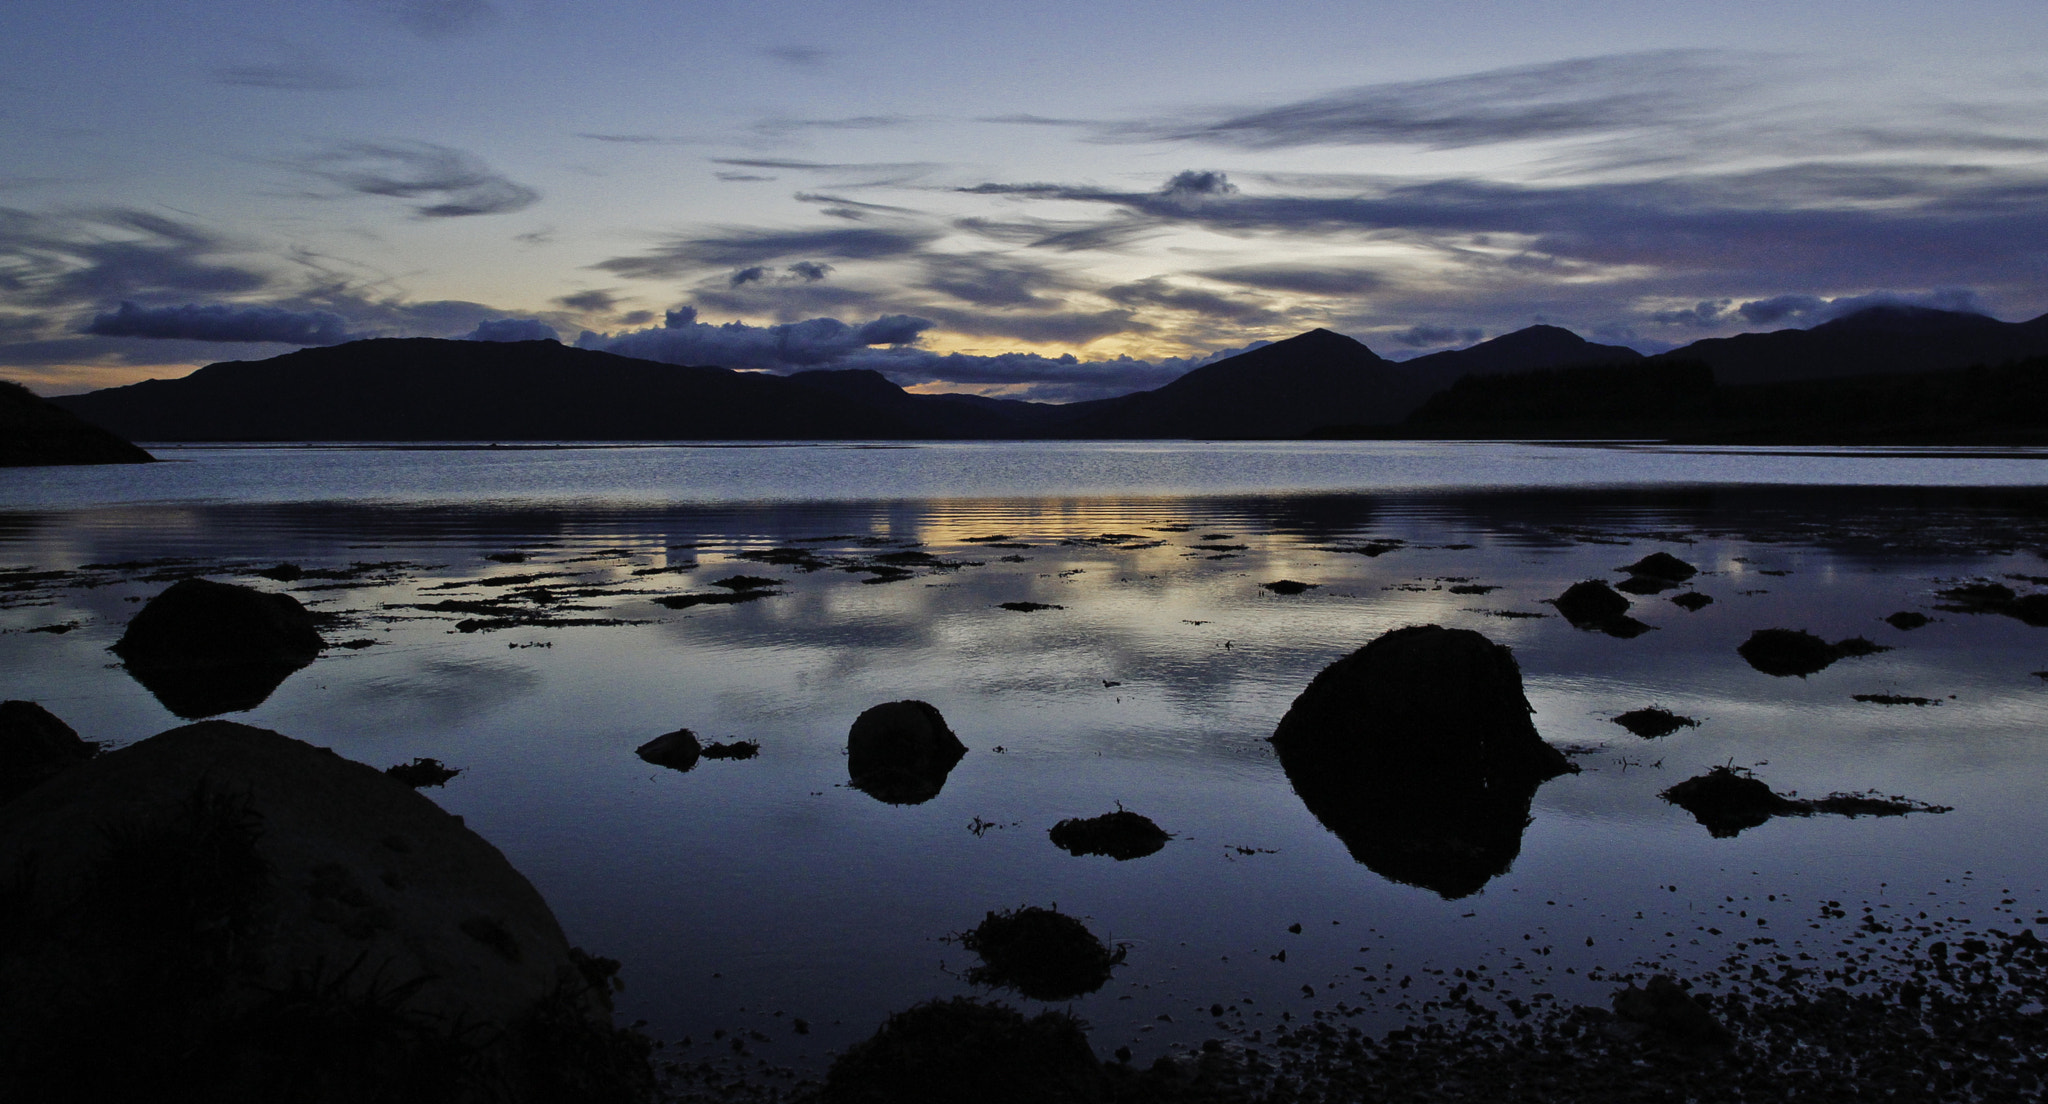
1727 800
423 772
1653 722
1121 835
1042 953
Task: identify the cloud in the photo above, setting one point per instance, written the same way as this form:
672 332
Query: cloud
992 280
1426 336
454 183
297 69
853 122
1585 96
512 329
1157 293
595 301
435 18
218 322
735 177
799 57
887 345
1304 279
740 248
104 257
1812 310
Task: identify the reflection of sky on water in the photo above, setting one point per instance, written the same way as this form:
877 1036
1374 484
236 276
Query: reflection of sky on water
768 885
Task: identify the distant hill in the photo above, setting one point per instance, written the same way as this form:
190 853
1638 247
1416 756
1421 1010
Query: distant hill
35 432
1873 340
1677 400
1315 384
427 389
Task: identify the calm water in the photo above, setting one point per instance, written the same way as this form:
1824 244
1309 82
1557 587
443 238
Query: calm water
744 894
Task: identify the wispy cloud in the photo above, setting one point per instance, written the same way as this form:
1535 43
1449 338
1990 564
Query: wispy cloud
220 322
454 183
295 68
741 247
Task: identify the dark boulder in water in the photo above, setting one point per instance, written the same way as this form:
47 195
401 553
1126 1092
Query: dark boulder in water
1289 586
1692 601
1594 605
1041 953
220 912
676 750
901 752
1726 801
1785 652
204 647
945 1052
1121 835
1662 565
1907 620
1653 722
1417 750
35 746
1645 585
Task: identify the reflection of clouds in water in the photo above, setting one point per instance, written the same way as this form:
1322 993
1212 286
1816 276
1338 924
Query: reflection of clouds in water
442 691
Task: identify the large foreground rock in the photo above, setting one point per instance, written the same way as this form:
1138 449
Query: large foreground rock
34 432
943 1052
1417 750
221 912
34 746
204 647
901 752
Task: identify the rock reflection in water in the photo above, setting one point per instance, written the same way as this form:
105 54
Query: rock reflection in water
1418 752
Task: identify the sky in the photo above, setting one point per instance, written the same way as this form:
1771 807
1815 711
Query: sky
1056 201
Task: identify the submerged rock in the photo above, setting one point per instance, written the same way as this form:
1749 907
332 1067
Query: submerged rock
942 1052
1727 800
901 752
1653 722
236 915
1121 835
1692 601
1041 953
1594 605
1289 586
1417 750
35 746
204 647
1662 565
1907 620
676 750
1785 652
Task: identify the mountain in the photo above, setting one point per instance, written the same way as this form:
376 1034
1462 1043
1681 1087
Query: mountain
426 389
1278 390
1884 339
35 432
1525 350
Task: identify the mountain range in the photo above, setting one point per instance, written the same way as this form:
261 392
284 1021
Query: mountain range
416 389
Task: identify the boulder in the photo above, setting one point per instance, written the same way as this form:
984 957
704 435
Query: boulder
1042 953
234 914
676 750
1783 652
901 752
1121 835
1727 801
1417 750
1662 565
1594 605
961 1049
34 746
204 647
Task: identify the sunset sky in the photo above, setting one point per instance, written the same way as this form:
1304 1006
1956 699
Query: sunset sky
1057 200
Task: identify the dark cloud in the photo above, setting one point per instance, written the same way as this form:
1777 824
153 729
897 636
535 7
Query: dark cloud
854 122
800 272
296 69
1038 120
841 207
1587 96
893 169
1704 315
595 301
635 139
740 248
453 182
748 275
512 329
1304 279
885 345
1066 236
435 18
801 57
735 177
810 270
992 280
1811 310
219 322
1427 336
100 259
1158 294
